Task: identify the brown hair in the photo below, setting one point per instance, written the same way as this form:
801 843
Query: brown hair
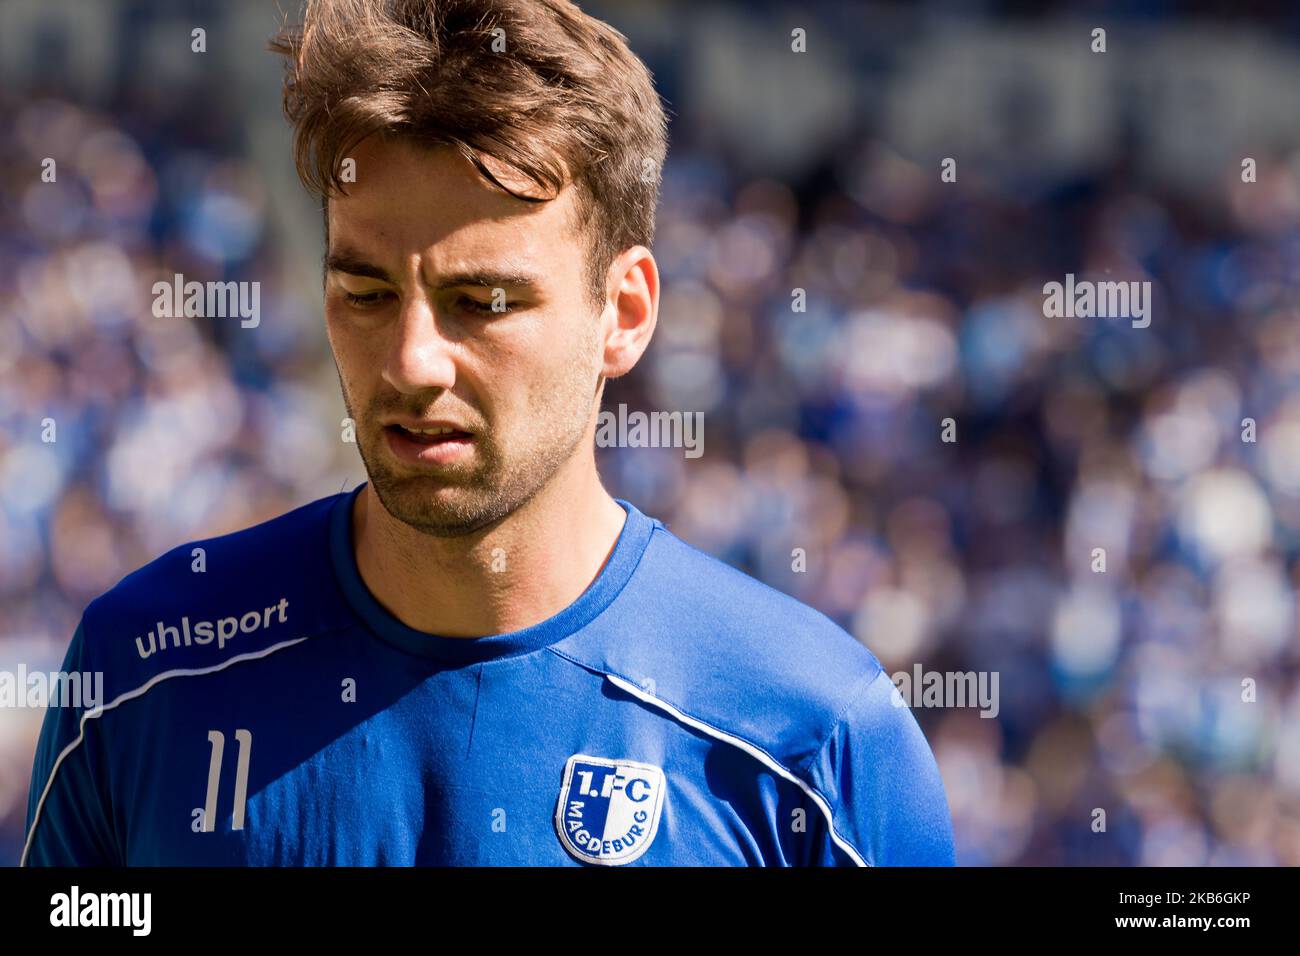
566 100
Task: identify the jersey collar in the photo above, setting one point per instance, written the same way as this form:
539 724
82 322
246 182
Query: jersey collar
631 544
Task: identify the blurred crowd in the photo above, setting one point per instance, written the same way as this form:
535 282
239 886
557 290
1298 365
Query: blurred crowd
1107 517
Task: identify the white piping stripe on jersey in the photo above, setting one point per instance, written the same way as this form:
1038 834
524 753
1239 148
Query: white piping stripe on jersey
750 749
123 698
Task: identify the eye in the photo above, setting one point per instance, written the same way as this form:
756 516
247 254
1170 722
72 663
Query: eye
482 308
364 300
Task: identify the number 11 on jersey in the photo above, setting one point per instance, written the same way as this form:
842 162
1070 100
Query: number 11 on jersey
218 740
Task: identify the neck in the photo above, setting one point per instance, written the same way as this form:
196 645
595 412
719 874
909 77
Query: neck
550 550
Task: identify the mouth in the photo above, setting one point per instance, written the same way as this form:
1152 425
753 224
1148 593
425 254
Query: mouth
435 444
428 436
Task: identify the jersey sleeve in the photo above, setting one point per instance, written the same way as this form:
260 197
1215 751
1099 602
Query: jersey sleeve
68 823
880 778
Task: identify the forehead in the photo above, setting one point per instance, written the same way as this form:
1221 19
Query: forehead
410 198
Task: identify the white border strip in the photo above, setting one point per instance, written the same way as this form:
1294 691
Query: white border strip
123 698
750 749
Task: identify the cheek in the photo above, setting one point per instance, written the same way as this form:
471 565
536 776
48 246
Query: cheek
354 348
564 377
526 385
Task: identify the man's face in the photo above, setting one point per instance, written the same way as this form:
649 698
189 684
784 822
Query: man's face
419 250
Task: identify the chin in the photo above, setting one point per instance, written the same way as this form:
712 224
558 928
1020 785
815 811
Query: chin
437 508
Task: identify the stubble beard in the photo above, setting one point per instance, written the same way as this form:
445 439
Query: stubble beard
463 501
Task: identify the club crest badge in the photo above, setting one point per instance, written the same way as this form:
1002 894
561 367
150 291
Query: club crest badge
608 810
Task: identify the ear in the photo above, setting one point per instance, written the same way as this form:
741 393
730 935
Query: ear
631 310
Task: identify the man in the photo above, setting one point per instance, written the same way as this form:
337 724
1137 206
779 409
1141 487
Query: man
478 656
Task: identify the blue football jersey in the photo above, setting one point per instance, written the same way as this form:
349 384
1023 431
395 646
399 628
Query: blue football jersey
260 707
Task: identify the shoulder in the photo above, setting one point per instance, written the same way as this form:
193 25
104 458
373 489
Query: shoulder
728 651
209 600
728 656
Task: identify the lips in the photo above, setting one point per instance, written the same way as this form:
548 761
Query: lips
429 434
428 444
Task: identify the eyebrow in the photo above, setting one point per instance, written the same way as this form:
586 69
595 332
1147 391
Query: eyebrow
488 278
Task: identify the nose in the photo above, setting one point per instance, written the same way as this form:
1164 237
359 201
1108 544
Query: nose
419 357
